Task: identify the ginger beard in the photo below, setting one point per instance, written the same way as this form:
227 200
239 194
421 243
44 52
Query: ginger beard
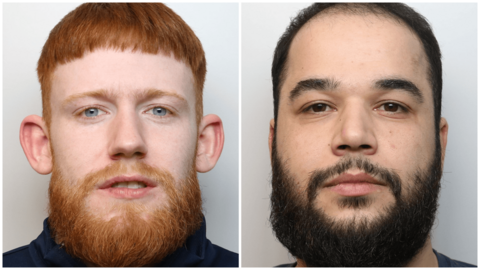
391 239
127 239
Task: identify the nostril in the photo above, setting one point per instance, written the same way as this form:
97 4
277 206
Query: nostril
363 146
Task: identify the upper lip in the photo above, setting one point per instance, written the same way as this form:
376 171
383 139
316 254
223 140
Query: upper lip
353 178
124 178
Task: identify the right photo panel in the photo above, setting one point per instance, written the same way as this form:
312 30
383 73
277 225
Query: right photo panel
359 134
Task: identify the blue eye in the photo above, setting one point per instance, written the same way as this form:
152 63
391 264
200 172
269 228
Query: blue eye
91 112
159 111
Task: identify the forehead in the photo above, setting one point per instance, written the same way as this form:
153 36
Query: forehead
356 48
123 73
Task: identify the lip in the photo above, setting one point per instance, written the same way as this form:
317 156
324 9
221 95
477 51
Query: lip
351 185
138 178
126 193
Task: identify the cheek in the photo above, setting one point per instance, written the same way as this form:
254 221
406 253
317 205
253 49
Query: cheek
76 155
172 148
303 149
405 149
78 151
73 148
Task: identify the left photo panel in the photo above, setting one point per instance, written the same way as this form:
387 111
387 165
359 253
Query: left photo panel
123 146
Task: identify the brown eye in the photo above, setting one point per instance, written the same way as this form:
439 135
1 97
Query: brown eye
391 107
320 107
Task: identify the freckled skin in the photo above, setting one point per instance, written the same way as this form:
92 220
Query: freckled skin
355 50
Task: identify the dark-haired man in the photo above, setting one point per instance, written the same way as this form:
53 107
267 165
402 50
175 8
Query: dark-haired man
123 134
357 141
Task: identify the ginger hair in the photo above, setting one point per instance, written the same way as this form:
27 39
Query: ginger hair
149 27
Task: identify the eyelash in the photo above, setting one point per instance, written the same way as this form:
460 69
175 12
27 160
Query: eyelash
167 111
310 108
402 108
81 112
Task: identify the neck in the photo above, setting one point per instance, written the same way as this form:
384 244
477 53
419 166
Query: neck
424 258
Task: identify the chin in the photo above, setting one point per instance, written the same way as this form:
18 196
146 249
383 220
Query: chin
107 209
357 208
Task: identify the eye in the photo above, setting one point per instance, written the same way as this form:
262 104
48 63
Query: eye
92 112
318 108
392 107
159 111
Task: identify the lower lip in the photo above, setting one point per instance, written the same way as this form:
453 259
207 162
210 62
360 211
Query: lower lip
355 189
127 193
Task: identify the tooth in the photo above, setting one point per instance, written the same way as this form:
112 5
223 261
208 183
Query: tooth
133 185
122 185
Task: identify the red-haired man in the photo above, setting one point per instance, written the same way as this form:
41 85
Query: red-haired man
123 134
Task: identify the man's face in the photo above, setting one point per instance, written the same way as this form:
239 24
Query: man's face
365 107
124 190
355 162
110 107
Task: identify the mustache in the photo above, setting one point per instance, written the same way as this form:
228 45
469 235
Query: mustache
384 175
161 177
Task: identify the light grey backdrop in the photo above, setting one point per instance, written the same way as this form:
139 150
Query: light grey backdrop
25 30
455 26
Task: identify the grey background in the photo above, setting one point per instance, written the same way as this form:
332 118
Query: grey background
455 26
25 30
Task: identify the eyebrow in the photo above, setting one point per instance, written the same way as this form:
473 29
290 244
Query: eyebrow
156 93
313 84
400 84
105 94
329 84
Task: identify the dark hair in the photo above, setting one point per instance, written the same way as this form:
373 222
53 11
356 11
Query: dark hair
400 12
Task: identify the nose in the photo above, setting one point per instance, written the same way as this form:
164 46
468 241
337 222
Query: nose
354 132
126 137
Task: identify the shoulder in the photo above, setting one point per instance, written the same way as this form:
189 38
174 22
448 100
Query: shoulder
444 261
224 257
288 265
19 257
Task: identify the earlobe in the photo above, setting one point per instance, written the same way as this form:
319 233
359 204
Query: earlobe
271 134
210 142
443 136
35 144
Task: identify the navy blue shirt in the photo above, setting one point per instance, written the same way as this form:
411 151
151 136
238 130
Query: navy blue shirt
197 251
443 261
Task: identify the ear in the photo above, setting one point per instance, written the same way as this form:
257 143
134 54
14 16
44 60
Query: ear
270 136
443 136
35 143
210 142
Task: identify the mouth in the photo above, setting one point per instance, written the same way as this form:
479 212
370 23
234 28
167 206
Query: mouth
127 187
354 185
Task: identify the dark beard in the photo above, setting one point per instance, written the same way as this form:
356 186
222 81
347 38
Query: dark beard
390 240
